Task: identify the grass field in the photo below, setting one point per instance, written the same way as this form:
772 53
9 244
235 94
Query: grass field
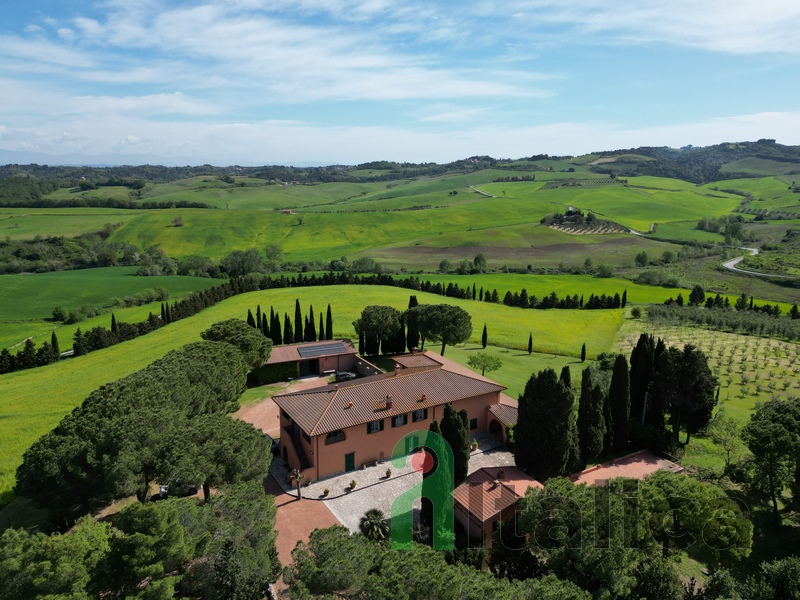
760 166
37 399
768 192
27 223
34 296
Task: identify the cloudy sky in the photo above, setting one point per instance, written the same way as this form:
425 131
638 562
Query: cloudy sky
346 81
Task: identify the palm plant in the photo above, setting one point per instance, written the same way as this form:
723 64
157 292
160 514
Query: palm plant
373 525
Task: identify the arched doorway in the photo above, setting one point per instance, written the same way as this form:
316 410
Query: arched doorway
496 429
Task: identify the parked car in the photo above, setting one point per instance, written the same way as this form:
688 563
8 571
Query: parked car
345 376
178 489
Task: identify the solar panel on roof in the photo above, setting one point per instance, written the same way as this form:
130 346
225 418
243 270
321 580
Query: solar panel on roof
322 349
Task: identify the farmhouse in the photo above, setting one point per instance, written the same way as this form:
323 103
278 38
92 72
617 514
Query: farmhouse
314 358
337 428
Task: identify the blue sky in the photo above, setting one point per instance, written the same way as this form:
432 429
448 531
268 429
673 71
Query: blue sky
347 81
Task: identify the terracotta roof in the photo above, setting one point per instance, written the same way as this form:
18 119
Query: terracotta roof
506 414
487 491
637 465
416 360
325 409
291 352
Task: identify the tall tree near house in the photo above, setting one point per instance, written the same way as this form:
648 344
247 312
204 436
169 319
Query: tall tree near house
620 396
377 323
250 319
259 324
455 430
362 347
530 343
399 339
642 363
328 324
484 361
412 335
276 337
546 436
591 424
608 417
484 335
312 325
266 327
566 376
288 334
306 330
298 322
321 327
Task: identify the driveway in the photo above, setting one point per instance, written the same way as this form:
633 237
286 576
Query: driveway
265 414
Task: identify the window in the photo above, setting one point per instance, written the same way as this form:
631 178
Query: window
473 423
334 436
400 420
420 415
375 426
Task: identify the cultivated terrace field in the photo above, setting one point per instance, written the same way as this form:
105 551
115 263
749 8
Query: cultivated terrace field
641 225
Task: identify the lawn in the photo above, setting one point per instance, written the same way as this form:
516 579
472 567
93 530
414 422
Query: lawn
35 400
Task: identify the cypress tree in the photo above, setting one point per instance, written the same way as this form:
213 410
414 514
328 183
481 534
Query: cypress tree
55 346
361 347
258 317
306 330
288 335
583 353
298 322
566 377
546 435
455 429
114 326
321 328
530 343
591 424
412 335
484 337
79 343
480 294
275 329
328 325
250 320
163 314
624 298
642 364
266 328
473 291
620 396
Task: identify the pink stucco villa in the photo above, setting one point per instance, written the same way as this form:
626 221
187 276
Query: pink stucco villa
341 427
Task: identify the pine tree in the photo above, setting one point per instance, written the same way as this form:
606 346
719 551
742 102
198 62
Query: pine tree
455 430
484 337
546 435
591 424
328 324
583 353
530 343
298 322
250 320
288 335
114 326
55 346
620 396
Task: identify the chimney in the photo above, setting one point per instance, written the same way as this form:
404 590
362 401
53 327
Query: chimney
388 402
396 369
414 350
336 386
422 398
350 404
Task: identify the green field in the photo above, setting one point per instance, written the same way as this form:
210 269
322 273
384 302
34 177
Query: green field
768 192
35 400
28 223
34 296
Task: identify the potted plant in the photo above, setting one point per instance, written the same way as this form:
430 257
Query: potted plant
353 484
325 492
474 445
388 473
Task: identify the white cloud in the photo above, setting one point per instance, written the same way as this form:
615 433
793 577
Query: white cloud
156 104
733 26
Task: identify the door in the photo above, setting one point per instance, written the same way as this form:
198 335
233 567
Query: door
350 462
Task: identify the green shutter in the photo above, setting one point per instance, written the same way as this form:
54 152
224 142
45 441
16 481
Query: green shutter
381 427
405 419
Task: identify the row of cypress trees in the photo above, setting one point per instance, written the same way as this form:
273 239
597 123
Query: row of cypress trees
304 329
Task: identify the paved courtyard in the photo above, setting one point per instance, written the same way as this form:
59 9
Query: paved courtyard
374 490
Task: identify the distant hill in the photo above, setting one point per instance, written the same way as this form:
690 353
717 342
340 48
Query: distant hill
694 164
